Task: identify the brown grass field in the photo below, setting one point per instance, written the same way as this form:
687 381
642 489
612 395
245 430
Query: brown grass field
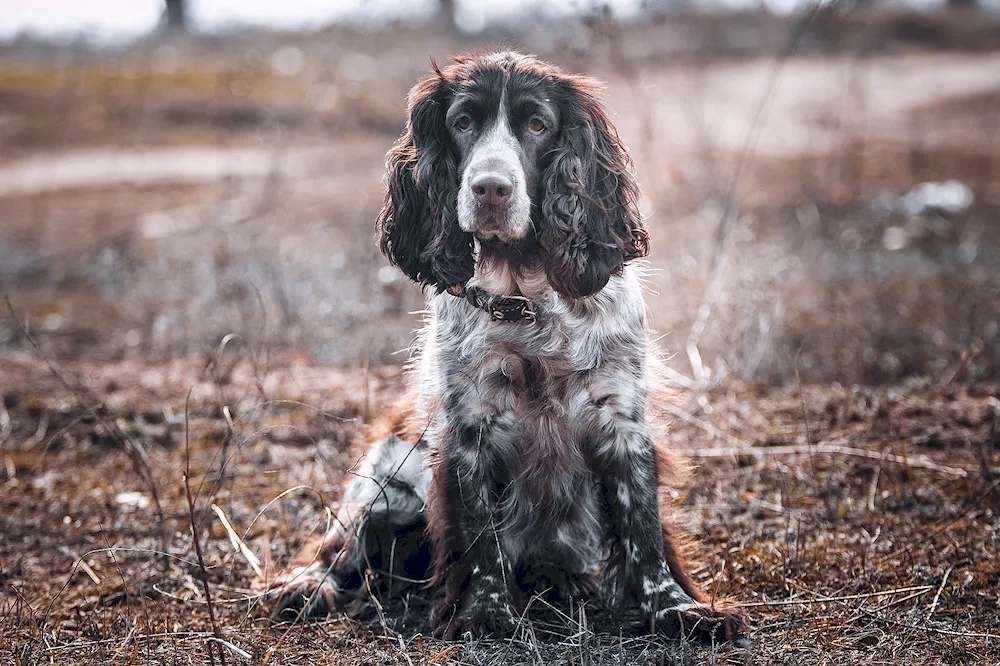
194 294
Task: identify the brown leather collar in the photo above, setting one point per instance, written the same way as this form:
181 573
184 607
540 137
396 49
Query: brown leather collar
509 309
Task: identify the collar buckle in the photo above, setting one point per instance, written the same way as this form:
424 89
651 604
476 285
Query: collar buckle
522 309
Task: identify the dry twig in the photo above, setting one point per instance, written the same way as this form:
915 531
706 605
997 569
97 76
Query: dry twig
238 543
197 540
937 595
848 597
830 449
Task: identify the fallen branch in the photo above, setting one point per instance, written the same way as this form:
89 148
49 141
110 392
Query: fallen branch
707 427
229 646
937 596
238 543
732 439
173 636
849 597
830 449
933 630
83 565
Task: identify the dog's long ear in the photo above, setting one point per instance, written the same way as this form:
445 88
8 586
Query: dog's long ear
417 228
591 224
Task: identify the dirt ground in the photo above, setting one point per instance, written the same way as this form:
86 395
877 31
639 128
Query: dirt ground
185 237
857 525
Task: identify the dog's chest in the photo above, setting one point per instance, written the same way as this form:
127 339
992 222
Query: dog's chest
526 396
517 406
527 366
557 368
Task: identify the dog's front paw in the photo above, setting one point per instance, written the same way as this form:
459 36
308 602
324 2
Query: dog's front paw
668 609
721 620
490 619
308 591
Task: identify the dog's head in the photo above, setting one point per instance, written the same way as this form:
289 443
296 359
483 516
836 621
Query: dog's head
507 150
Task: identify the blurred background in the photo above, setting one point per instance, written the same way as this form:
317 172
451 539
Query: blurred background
822 181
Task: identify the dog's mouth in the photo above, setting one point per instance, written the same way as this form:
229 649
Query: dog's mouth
498 232
492 222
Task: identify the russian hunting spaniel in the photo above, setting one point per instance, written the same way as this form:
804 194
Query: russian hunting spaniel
524 459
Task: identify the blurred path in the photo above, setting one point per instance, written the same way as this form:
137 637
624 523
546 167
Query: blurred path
694 108
816 99
109 166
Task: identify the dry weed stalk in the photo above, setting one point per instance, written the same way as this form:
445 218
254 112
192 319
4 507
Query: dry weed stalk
197 541
730 212
830 448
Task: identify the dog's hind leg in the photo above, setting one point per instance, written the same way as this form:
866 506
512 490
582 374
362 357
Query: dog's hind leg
379 528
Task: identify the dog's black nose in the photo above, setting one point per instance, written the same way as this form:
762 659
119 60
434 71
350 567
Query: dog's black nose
492 189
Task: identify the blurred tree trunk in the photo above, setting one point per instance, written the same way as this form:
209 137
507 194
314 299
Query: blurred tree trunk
446 15
175 17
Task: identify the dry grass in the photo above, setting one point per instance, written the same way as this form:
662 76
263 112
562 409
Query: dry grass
840 558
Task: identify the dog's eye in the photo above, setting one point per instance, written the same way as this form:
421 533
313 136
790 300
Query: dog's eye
536 126
463 124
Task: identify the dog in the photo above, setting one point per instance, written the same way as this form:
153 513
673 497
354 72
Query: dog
524 458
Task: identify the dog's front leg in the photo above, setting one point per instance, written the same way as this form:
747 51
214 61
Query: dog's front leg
477 579
626 465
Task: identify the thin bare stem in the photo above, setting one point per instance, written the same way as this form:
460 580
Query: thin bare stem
197 540
830 449
937 595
